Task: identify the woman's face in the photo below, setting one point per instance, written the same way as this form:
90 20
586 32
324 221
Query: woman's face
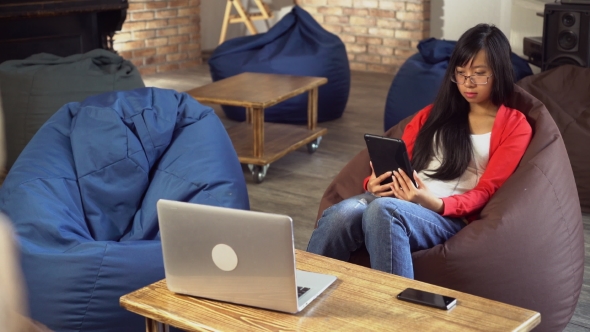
480 72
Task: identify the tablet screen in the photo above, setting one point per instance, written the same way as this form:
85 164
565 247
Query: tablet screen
388 154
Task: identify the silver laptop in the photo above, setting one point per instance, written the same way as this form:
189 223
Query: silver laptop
236 256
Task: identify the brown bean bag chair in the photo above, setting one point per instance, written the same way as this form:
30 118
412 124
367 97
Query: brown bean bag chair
527 248
565 90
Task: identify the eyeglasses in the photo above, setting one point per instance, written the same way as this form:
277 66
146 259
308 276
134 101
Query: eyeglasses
475 79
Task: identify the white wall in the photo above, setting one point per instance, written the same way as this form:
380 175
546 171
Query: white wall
212 12
450 18
525 22
516 18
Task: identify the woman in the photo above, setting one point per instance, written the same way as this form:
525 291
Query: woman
463 147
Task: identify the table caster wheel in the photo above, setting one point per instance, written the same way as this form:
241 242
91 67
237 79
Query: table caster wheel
314 145
258 172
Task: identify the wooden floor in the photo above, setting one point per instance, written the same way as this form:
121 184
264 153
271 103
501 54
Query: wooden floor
295 184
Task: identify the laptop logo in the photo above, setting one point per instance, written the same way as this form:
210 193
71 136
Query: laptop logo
224 257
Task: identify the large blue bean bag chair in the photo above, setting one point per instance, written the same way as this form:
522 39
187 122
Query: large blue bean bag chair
416 83
82 196
296 45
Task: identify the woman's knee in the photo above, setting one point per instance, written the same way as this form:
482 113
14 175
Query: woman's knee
381 212
384 206
345 214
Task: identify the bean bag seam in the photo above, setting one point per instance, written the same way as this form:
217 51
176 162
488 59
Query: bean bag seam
94 288
126 155
571 250
113 163
205 113
187 181
40 178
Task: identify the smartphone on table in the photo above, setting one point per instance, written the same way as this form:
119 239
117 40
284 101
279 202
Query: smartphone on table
388 154
426 298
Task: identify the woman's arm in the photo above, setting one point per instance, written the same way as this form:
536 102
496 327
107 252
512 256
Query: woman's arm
515 138
410 133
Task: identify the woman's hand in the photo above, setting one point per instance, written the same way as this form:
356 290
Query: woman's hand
403 188
374 185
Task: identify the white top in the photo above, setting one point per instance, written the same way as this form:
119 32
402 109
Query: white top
469 179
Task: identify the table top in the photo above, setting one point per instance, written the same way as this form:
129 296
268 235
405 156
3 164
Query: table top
361 299
255 89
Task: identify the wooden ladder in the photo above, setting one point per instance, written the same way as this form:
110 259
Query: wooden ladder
243 17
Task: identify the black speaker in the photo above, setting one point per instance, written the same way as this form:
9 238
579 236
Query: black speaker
566 35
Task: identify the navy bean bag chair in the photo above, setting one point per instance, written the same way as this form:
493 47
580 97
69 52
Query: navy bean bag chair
296 45
82 196
416 83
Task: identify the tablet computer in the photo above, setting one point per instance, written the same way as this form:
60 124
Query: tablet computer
388 154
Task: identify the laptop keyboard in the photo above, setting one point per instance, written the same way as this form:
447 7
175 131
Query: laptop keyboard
301 290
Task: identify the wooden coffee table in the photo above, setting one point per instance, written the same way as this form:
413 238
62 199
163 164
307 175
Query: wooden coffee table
257 143
360 300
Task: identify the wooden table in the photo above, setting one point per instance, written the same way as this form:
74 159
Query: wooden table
361 299
256 143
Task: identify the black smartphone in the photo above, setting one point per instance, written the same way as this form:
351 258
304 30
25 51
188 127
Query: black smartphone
388 154
427 298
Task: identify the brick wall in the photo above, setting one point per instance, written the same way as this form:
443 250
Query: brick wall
379 34
161 35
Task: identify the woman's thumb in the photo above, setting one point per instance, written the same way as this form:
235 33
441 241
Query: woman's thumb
418 180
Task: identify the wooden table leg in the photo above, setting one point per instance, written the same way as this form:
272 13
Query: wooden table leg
248 114
312 109
155 326
258 131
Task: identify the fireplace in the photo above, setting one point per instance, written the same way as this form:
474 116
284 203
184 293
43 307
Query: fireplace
62 27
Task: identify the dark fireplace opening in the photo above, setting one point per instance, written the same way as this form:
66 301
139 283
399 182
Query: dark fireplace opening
58 27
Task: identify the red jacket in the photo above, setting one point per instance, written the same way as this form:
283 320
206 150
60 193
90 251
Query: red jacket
510 137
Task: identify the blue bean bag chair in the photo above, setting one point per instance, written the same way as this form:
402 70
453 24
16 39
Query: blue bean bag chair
416 83
82 196
296 45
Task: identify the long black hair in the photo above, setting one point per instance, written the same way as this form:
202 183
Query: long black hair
449 118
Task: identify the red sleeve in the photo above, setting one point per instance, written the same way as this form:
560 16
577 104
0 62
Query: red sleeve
511 142
365 182
410 133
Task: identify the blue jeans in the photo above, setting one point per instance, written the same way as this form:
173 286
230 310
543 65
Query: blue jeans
390 228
